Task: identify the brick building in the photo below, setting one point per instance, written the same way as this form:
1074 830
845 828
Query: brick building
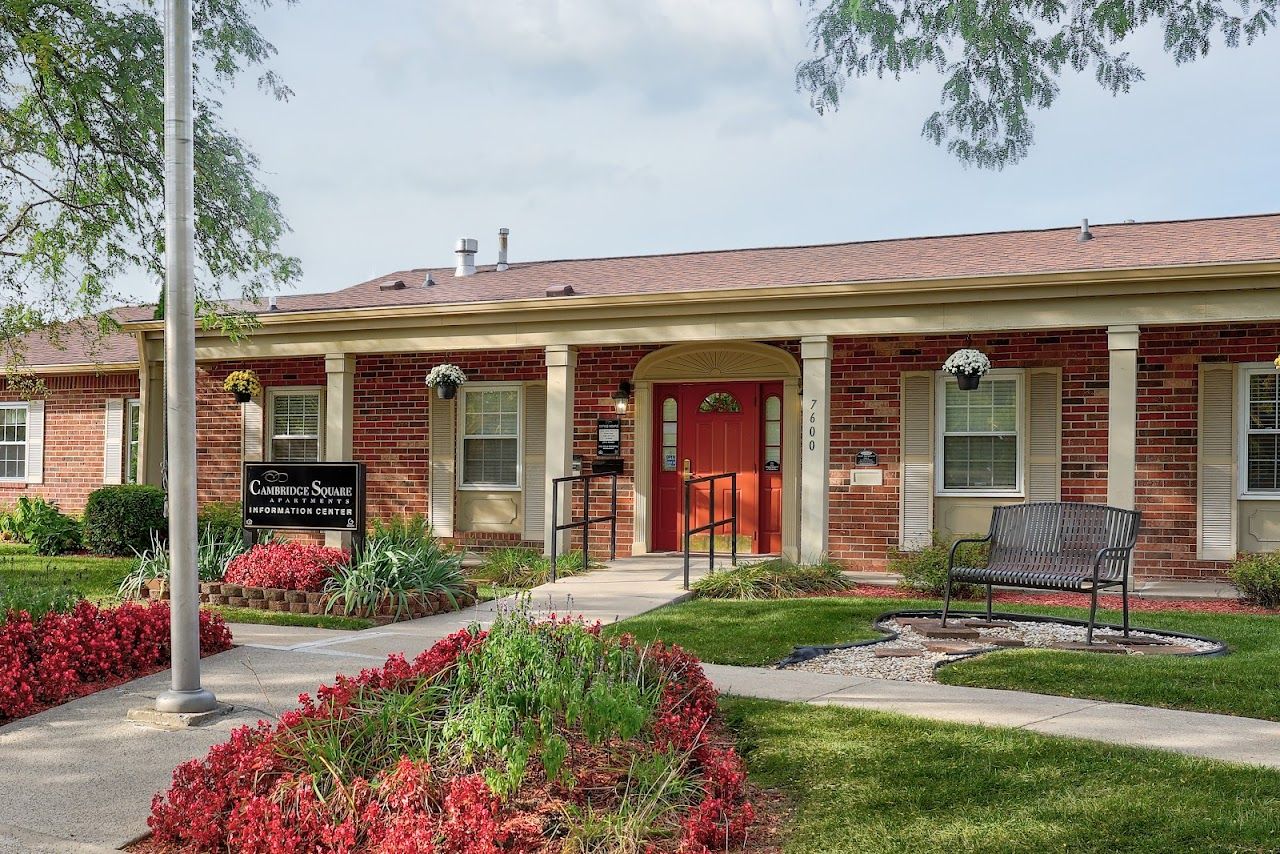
1131 364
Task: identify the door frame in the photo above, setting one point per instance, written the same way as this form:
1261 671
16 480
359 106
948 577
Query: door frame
735 361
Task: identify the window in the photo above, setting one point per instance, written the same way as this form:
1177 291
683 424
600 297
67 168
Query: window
669 433
13 441
132 427
295 420
1261 431
979 444
490 437
720 401
772 433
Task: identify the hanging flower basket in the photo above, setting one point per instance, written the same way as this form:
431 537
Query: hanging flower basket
244 385
445 379
968 366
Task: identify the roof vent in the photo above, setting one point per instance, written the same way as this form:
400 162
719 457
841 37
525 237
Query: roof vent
1085 233
466 252
560 291
503 233
397 285
429 282
272 303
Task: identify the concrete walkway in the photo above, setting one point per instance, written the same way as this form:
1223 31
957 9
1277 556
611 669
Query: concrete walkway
79 778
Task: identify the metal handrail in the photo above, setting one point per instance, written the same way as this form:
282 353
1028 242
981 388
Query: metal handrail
587 520
731 520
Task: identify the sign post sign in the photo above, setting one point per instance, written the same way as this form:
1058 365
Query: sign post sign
303 497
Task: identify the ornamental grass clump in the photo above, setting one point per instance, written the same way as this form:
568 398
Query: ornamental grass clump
392 568
532 736
524 568
775 578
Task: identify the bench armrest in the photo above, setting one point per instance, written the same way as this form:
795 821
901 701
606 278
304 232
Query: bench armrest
951 558
1125 551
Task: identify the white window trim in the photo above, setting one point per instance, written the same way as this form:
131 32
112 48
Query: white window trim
126 441
1019 376
473 387
1243 372
26 444
268 433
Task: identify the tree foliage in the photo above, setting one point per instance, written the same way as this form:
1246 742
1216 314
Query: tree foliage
1000 59
82 158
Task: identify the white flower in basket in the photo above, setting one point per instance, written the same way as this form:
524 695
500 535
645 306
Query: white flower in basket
967 362
445 379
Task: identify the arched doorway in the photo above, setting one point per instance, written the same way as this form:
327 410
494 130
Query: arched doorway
704 408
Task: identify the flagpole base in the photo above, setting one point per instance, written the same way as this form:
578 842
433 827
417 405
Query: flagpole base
186 702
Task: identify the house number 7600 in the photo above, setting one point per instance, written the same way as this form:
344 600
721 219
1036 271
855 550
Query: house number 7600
813 424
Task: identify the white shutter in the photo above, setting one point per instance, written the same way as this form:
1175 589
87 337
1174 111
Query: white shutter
917 459
1044 440
1216 494
441 486
251 431
535 460
35 441
113 442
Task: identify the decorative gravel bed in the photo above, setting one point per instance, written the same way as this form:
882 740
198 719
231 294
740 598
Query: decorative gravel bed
922 644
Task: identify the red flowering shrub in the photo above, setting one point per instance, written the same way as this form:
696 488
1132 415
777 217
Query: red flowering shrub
291 566
326 779
51 660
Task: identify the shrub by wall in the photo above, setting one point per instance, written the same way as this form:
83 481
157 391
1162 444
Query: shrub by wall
1258 578
119 520
221 521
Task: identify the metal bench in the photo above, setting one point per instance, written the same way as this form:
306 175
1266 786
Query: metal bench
1052 545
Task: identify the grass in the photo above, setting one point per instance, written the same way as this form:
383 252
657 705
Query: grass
98 578
870 781
1240 683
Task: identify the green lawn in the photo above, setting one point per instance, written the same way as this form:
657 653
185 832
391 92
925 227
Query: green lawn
870 781
1243 682
98 578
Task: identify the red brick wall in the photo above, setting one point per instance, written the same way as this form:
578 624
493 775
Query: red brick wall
865 412
74 423
1168 375
219 425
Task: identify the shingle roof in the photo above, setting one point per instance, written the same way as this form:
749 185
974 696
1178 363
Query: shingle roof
1115 246
80 343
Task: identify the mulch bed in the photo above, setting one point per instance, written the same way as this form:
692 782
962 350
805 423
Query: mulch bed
1074 600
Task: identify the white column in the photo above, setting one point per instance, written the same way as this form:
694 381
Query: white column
339 404
815 444
561 361
1122 415
151 422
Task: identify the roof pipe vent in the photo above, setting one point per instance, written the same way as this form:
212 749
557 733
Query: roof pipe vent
1085 233
429 282
560 291
503 233
466 254
272 304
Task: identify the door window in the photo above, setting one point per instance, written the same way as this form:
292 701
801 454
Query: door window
669 433
720 401
772 433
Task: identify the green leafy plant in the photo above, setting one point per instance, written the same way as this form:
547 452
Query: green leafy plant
525 568
405 531
925 570
212 556
775 578
389 570
1258 577
122 520
223 518
41 525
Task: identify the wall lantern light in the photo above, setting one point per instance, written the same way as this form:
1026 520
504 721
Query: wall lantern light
622 396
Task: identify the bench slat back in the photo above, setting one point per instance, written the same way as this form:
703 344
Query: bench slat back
1062 538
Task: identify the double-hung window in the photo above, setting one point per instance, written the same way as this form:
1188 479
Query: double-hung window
295 422
13 441
1260 432
490 436
980 436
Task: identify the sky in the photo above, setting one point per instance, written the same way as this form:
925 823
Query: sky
613 127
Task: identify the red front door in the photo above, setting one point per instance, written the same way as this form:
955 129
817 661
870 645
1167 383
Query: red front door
715 428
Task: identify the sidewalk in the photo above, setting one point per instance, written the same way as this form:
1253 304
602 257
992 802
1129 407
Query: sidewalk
79 777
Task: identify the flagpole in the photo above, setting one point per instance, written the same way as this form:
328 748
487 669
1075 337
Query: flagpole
185 694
